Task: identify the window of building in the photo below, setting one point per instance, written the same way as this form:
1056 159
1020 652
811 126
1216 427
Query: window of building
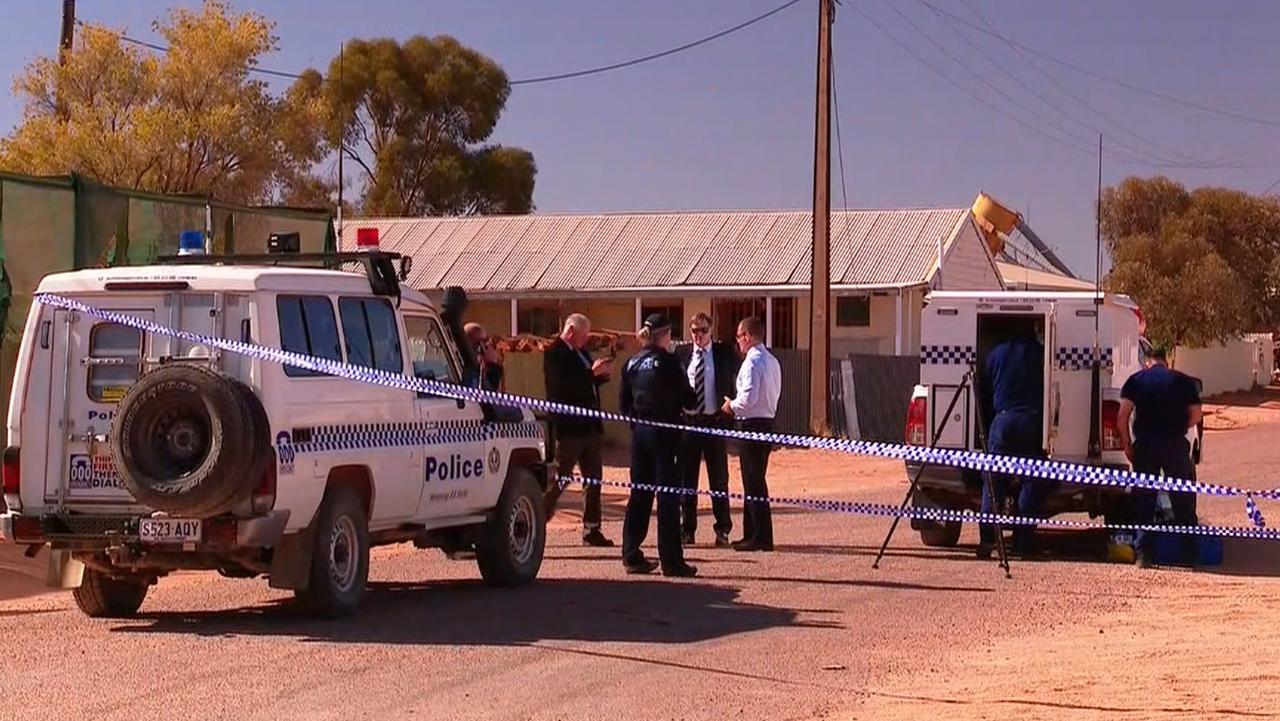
784 323
428 351
369 328
108 383
853 311
726 313
539 320
307 326
673 310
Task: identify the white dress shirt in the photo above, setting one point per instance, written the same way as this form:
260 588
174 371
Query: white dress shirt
710 404
759 385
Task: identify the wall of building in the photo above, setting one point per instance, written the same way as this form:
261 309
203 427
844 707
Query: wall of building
494 315
1233 366
967 264
878 337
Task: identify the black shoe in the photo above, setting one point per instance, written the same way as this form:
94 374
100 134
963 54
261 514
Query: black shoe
985 549
640 567
684 570
747 546
686 539
597 539
722 540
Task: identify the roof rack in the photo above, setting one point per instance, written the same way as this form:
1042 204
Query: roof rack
383 273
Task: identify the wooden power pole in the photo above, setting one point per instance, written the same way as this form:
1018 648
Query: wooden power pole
820 282
64 48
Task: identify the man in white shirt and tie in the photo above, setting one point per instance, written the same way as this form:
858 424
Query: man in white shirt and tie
711 367
759 385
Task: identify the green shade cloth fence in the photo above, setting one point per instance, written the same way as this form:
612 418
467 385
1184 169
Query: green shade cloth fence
52 224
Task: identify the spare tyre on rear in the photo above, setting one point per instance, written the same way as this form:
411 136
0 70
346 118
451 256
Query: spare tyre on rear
187 441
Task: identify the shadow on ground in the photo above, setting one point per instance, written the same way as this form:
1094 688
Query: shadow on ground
469 613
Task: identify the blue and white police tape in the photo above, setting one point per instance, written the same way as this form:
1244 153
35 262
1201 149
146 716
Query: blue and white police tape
1255 514
1026 467
941 515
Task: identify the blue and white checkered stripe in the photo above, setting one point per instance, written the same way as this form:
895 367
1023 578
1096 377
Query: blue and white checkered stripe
1075 358
1254 513
362 436
1026 467
947 355
935 514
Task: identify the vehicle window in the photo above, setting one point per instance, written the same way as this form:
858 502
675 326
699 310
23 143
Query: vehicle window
307 325
372 337
121 344
428 350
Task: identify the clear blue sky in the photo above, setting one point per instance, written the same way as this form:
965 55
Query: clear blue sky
730 124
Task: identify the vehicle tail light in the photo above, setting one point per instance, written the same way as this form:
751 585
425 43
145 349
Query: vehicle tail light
12 471
264 496
1111 426
916 421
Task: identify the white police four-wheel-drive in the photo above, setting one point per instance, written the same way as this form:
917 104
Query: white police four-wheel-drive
1081 401
134 454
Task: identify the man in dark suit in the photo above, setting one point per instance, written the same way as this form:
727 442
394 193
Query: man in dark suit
711 367
573 378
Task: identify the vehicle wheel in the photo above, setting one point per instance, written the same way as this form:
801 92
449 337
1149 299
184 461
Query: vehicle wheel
184 441
101 596
509 551
340 556
941 535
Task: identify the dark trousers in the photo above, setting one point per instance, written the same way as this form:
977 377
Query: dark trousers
694 448
1173 459
757 519
653 463
1013 434
586 454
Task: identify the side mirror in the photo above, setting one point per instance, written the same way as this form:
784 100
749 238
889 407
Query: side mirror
406 265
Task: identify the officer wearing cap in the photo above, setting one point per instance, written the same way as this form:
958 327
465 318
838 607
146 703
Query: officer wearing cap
1163 404
1012 385
654 388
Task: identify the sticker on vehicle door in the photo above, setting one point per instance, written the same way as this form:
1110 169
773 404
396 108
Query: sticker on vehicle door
89 472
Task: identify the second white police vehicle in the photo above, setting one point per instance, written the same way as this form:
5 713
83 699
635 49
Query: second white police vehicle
132 455
1081 417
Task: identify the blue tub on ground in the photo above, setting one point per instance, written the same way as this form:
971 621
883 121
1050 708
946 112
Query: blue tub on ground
1167 550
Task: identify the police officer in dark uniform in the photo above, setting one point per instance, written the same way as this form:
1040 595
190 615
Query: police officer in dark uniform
1164 405
1013 400
654 388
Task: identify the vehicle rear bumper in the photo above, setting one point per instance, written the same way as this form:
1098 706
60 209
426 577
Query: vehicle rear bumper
960 489
79 531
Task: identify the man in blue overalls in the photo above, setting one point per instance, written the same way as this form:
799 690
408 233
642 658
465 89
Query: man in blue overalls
1012 386
1164 404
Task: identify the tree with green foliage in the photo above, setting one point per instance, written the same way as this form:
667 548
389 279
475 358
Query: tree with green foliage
1203 264
413 117
192 120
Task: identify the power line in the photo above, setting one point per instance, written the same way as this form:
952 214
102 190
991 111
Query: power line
1108 79
1166 159
1115 124
835 100
960 86
1065 131
558 76
655 56
1271 187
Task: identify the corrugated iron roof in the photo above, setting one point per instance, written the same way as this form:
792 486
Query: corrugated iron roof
663 250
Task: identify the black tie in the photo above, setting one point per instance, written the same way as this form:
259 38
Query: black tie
700 379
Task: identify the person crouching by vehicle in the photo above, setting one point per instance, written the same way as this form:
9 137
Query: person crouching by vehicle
1013 394
1163 404
654 388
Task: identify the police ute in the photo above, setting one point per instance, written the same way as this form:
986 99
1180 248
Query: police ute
1080 405
134 454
